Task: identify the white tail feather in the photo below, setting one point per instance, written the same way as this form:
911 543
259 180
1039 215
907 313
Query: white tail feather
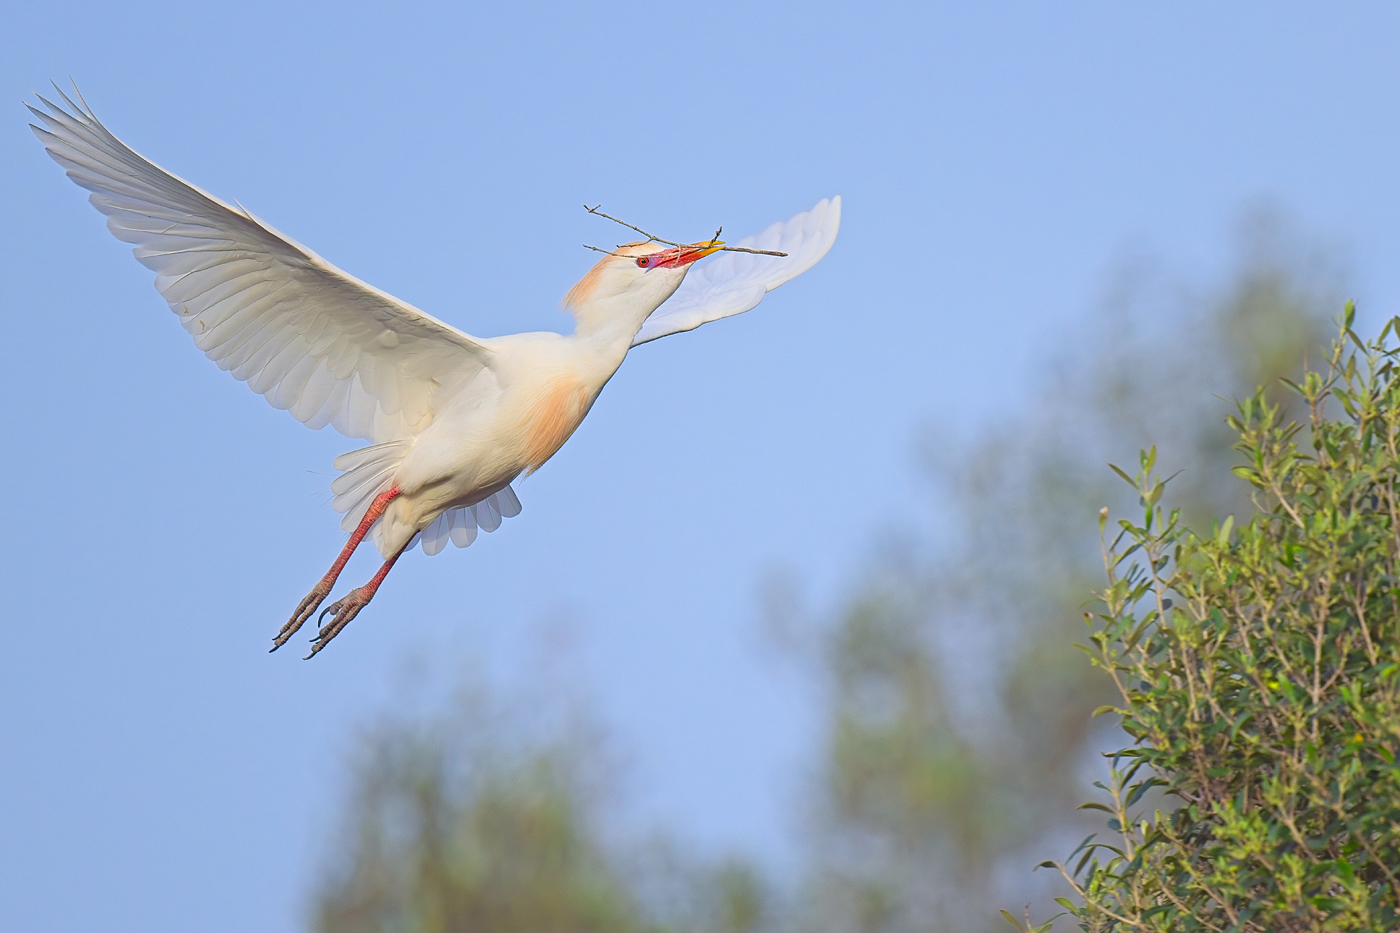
507 502
460 525
463 529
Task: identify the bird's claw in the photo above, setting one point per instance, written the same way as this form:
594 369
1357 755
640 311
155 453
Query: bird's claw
305 610
341 612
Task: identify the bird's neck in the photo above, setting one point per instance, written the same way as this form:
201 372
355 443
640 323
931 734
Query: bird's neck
608 326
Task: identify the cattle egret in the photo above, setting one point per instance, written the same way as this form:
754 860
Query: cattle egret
450 419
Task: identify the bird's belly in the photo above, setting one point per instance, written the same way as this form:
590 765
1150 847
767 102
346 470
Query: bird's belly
453 474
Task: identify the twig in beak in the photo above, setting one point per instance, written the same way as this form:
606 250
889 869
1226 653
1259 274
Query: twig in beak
651 237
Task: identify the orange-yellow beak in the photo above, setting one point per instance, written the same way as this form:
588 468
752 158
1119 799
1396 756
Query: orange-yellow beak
684 255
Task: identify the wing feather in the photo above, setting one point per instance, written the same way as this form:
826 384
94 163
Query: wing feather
732 283
310 338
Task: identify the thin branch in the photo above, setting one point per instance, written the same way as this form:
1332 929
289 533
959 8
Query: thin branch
649 236
653 238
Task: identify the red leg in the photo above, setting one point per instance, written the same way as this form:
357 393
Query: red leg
323 589
348 606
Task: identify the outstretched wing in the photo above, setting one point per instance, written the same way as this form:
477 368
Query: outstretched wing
310 338
732 283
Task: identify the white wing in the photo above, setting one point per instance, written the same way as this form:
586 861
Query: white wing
310 338
732 283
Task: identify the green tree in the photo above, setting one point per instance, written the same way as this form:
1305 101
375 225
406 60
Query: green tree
473 819
959 723
1258 673
452 829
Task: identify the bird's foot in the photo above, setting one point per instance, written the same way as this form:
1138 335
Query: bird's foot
341 612
304 611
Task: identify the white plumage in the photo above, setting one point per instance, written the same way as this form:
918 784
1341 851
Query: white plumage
451 419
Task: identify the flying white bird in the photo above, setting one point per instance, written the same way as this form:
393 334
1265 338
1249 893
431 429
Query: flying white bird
451 419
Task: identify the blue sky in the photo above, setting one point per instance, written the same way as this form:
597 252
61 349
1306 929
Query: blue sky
161 771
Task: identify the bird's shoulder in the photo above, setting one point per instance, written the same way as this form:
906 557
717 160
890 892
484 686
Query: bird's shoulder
543 342
541 352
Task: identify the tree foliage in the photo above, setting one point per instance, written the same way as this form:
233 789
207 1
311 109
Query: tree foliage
450 831
472 819
958 723
1258 669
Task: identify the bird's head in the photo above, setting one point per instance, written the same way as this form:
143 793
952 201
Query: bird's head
631 282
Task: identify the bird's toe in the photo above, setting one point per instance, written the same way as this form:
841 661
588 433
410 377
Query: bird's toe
304 611
341 612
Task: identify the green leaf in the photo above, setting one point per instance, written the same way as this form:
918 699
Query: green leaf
1013 921
1136 794
1222 533
1246 473
1087 839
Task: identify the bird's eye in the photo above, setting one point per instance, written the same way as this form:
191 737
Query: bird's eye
643 262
